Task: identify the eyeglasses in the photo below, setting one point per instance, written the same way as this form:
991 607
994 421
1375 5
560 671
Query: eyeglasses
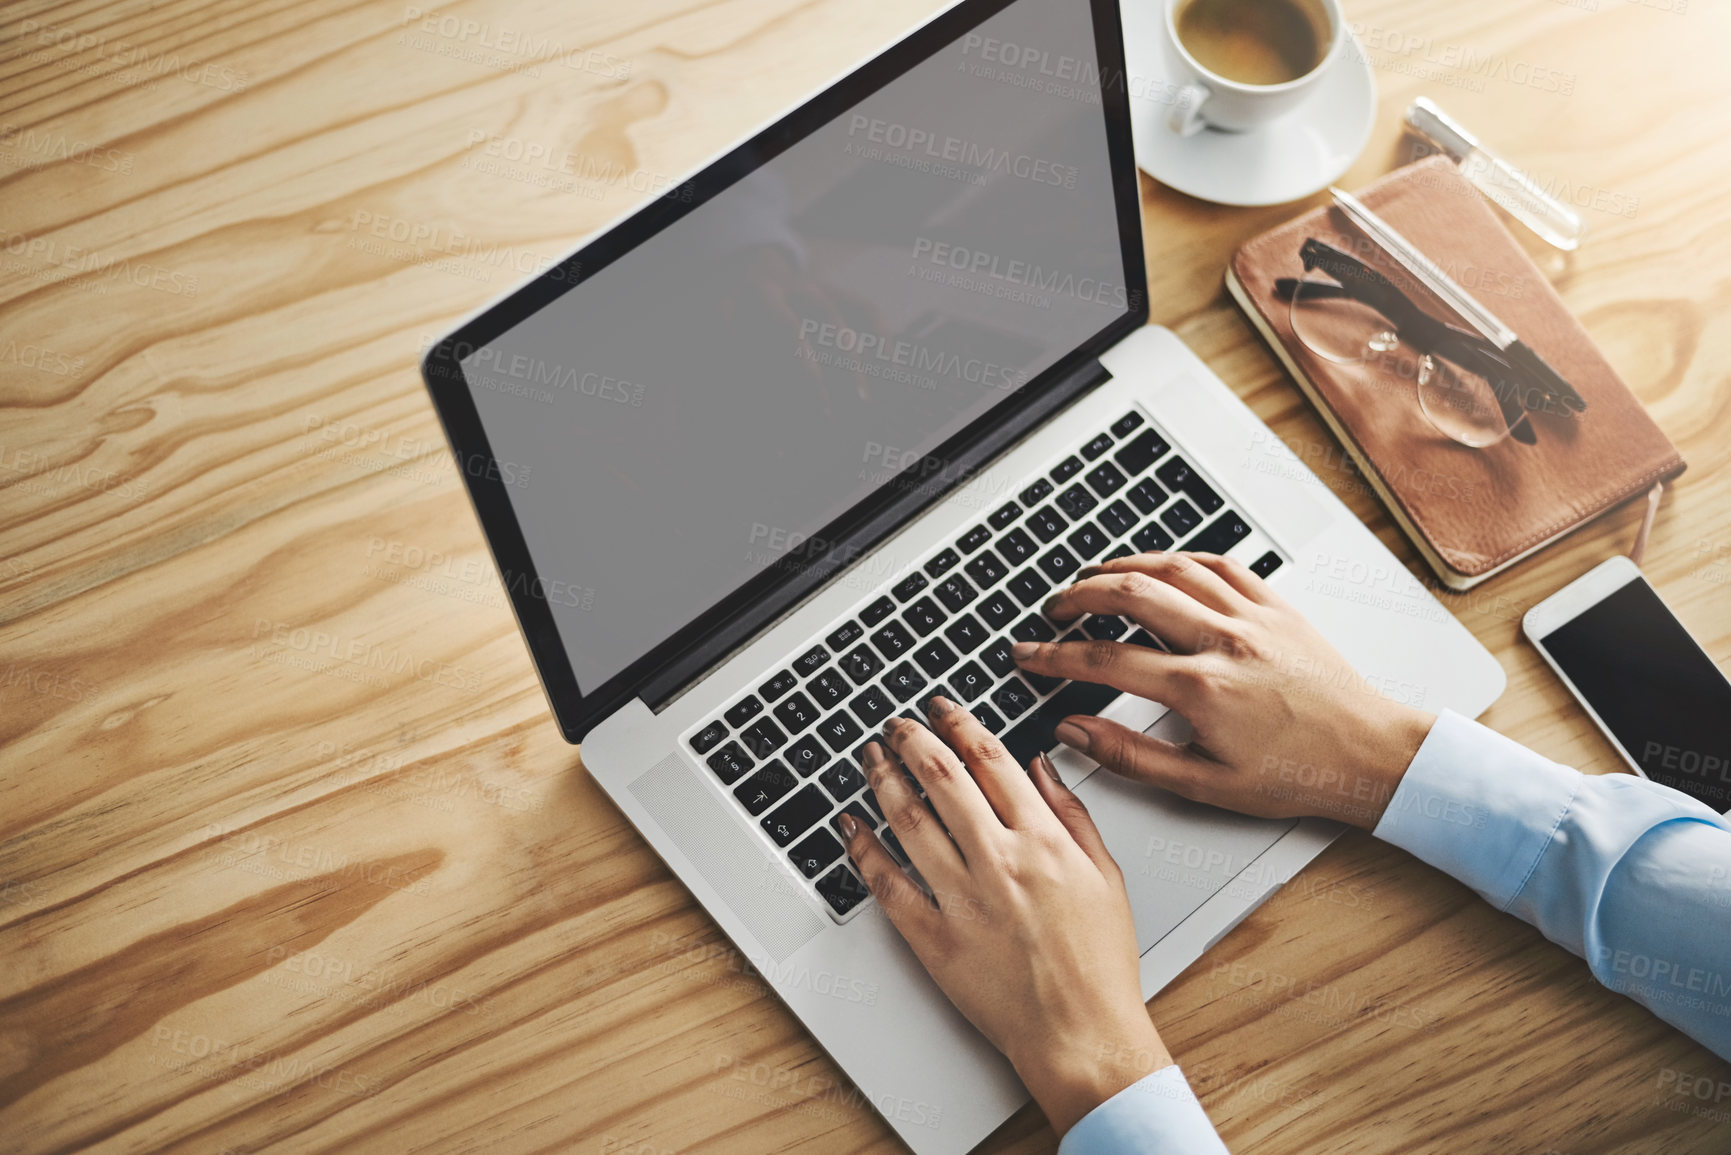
1467 389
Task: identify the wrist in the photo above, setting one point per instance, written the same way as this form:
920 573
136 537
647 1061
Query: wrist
1071 1080
1384 756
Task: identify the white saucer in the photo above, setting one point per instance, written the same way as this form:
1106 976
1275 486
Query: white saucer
1304 151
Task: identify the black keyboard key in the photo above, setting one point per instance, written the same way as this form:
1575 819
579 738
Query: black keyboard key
1141 453
973 539
796 713
895 845
1096 447
816 852
1181 518
1146 496
843 780
998 610
1014 698
1035 734
1088 541
1266 564
873 706
893 640
1118 552
1117 519
943 563
705 739
1103 628
871 800
765 788
778 685
1076 501
955 592
925 703
1046 523
988 717
909 586
763 738
845 636
1178 475
1036 493
861 665
839 731
1033 628
925 616
1004 515
811 661
1066 469
1126 424
966 633
1016 546
1105 479
842 890
829 688
1060 564
1222 534
986 569
730 763
858 810
970 681
904 682
742 712
1028 587
997 657
1145 639
797 815
935 657
877 612
1151 539
807 756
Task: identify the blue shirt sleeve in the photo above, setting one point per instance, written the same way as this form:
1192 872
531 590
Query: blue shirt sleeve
1158 1115
1632 876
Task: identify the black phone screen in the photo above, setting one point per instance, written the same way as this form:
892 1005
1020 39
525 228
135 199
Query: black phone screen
1655 688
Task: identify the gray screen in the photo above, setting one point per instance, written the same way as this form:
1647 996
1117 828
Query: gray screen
707 403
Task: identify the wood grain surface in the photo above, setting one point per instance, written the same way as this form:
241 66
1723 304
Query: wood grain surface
291 853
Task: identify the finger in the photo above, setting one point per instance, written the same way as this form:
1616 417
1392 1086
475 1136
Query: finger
1011 795
908 907
1138 756
1152 674
1240 577
1073 813
949 787
1167 611
1182 571
917 828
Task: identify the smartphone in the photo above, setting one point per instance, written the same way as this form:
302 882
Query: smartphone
1650 687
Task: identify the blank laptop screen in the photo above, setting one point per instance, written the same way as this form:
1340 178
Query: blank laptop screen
710 401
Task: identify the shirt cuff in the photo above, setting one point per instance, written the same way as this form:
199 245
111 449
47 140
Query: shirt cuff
1479 806
1157 1115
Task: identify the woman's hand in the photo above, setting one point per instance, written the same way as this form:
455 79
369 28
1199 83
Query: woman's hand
1028 928
1284 726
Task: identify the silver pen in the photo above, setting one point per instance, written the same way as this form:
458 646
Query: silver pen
1487 323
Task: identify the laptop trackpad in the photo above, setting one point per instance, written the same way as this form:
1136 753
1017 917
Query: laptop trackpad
1175 854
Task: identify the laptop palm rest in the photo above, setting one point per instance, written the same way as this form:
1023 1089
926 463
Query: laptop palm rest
1175 854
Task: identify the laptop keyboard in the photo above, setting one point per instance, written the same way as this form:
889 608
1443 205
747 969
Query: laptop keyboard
790 750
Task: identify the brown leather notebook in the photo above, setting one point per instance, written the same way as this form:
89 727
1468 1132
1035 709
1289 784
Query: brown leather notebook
1471 511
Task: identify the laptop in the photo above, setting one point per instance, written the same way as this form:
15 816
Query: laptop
811 437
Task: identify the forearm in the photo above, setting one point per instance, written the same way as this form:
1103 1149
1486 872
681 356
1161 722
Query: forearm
1631 876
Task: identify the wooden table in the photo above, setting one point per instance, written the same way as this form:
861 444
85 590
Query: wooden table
290 850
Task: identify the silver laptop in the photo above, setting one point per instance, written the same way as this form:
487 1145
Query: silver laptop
810 438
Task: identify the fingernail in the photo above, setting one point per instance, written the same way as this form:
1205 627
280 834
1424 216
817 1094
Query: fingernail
1046 765
1022 651
849 826
939 706
871 756
1072 736
1087 572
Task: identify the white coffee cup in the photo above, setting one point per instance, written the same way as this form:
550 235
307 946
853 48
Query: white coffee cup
1206 99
